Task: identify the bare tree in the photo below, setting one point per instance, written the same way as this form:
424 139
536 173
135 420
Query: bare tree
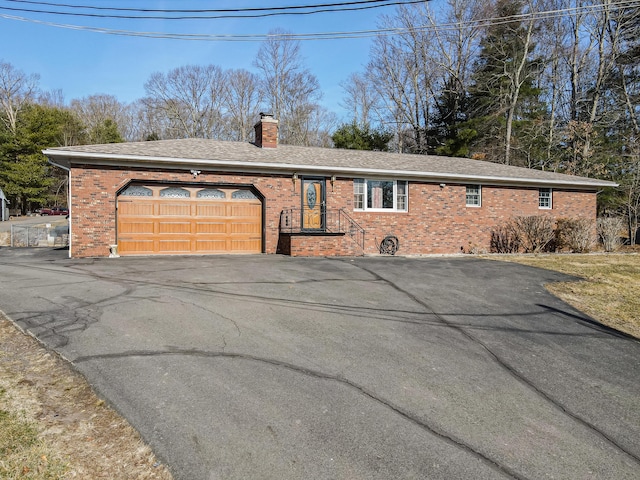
360 98
189 98
241 102
403 72
52 98
96 111
17 89
290 92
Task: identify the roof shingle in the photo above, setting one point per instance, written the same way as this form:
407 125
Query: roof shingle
247 156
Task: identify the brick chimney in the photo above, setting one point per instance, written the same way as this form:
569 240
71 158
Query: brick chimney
266 131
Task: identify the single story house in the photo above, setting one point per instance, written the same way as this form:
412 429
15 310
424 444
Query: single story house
197 196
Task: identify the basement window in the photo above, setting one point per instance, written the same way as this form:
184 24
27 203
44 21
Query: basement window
474 196
545 199
380 195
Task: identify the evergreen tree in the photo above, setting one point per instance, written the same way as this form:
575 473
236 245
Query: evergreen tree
355 137
503 95
451 135
25 175
105 132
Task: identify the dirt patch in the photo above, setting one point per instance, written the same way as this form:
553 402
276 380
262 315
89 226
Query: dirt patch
77 426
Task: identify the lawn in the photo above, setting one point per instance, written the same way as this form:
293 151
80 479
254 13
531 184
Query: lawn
52 424
609 291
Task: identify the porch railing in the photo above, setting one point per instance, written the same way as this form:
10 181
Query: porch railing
333 221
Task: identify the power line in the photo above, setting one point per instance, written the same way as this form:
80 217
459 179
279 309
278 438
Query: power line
340 35
224 10
222 13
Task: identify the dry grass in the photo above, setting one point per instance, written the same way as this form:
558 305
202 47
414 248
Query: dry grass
53 426
610 291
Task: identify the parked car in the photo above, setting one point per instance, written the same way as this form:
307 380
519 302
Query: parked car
53 211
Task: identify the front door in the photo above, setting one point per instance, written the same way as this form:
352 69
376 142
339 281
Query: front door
313 204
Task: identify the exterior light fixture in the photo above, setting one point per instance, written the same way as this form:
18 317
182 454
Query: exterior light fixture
294 178
332 180
195 173
442 185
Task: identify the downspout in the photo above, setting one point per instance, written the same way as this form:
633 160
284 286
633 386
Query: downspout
68 169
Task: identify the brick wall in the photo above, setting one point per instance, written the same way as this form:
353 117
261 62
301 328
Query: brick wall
437 220
318 245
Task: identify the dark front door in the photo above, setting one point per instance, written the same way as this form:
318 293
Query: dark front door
313 204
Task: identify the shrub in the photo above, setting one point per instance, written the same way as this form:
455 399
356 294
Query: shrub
575 234
609 229
535 233
504 239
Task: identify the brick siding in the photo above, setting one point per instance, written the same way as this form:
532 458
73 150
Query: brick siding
437 220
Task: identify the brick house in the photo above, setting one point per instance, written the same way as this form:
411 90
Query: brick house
197 196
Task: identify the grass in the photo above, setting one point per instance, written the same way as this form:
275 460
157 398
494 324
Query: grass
53 426
609 291
23 453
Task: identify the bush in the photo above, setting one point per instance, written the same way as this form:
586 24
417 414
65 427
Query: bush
609 229
535 233
575 234
504 239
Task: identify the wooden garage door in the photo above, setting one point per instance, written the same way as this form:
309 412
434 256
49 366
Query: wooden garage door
160 219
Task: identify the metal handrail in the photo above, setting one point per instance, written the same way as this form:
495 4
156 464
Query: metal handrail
334 221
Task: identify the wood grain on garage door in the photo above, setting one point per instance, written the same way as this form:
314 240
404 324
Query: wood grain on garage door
154 225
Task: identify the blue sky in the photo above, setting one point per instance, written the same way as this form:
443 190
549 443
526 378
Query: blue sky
82 63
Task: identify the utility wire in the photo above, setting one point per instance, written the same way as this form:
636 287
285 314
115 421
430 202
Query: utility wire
589 9
223 10
227 13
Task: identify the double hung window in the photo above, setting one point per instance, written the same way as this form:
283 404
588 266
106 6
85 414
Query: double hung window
474 196
545 199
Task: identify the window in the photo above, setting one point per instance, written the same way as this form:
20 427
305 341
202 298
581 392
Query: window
137 191
474 198
175 192
544 198
358 194
380 194
210 193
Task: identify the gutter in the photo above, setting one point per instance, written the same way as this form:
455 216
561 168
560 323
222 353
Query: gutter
68 169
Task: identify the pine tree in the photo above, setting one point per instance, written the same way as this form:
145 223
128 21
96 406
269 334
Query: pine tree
503 95
25 175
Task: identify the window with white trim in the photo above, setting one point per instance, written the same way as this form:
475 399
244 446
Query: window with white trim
545 199
380 195
474 196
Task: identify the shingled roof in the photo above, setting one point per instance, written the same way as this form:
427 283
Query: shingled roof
247 157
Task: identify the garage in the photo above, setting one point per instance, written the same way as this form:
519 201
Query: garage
188 219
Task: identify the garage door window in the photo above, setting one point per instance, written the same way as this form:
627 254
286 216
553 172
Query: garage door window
137 191
210 193
243 194
174 192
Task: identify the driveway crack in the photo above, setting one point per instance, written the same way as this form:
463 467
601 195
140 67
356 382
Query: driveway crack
447 438
503 364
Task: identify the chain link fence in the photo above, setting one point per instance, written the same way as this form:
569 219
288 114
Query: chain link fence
39 236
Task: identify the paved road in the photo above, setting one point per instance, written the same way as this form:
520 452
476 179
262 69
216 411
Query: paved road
238 367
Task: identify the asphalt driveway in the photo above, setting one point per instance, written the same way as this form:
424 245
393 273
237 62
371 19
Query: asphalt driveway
270 367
